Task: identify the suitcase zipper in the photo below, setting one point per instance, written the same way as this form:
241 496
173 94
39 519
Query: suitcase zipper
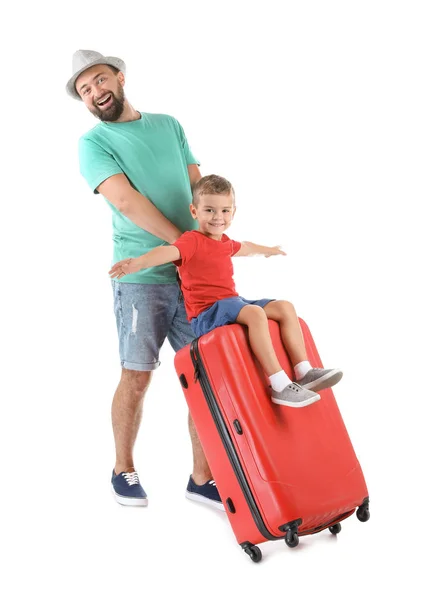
200 375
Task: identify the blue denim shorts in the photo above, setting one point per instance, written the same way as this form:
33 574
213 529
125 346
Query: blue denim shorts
222 312
147 313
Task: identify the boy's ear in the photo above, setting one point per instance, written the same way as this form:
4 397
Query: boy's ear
193 211
234 210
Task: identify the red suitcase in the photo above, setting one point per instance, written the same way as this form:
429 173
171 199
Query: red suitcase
281 472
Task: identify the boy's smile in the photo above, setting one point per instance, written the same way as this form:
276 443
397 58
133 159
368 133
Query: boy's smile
214 213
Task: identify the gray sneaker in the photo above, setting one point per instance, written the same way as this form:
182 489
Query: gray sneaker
294 395
319 379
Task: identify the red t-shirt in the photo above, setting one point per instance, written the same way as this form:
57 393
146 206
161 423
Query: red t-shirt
206 270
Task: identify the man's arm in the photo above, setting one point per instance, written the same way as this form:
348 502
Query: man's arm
250 249
138 208
194 174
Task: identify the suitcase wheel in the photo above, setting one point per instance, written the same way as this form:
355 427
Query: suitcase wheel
291 538
253 552
335 528
363 513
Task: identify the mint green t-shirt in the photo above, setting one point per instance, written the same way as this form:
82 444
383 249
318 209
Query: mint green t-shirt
153 153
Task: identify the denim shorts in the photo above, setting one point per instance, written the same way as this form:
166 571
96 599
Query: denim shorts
222 312
147 313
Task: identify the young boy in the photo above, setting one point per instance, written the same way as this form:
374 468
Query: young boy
206 271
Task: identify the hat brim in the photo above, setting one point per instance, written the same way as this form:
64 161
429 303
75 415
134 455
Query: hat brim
104 60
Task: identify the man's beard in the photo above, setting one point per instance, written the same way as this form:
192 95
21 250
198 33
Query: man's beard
115 111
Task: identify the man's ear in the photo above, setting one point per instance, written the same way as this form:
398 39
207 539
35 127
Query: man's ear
121 78
193 211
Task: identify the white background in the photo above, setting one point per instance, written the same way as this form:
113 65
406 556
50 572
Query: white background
322 116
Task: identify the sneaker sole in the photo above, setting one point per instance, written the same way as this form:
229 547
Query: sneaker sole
199 498
324 382
301 404
126 501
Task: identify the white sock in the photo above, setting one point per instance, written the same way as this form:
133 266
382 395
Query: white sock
279 381
302 368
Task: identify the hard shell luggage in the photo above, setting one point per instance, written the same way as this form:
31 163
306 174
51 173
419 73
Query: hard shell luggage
281 472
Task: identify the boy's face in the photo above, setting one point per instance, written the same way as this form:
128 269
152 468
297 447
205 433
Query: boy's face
215 213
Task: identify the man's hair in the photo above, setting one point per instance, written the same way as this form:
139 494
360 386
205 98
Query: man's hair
211 184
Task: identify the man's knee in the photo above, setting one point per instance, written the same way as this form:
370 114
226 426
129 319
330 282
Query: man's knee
137 381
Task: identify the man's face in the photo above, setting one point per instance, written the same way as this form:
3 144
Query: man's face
102 92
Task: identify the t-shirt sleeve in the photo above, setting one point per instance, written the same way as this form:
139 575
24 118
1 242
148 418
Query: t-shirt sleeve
188 155
96 165
187 245
235 247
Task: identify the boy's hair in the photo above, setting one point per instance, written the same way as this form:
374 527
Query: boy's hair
211 184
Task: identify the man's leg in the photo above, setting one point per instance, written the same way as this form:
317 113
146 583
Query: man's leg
201 471
127 415
201 486
143 314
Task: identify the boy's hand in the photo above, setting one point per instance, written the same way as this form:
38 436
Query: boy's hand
125 267
275 251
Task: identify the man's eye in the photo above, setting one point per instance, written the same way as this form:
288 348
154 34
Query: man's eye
100 79
86 92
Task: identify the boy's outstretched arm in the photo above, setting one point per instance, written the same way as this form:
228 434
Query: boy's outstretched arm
250 249
153 258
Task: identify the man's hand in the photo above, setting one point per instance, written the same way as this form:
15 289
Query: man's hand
125 267
274 251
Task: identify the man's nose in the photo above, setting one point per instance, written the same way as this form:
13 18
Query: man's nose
96 91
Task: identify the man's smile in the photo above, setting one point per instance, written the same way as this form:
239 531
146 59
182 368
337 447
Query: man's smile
104 100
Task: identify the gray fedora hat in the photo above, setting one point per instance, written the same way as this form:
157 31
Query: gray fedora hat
84 59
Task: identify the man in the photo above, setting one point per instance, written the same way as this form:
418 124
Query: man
142 164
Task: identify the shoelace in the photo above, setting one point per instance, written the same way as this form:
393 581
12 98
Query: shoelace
131 478
295 387
212 482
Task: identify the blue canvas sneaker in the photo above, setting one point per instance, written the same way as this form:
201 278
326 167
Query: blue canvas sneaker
128 490
206 493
